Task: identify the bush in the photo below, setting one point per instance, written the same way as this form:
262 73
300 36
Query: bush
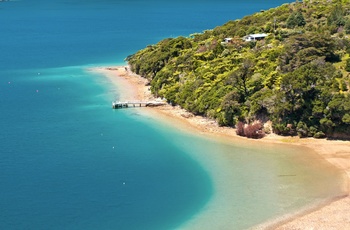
254 131
302 129
320 135
267 130
312 131
347 26
220 118
295 19
241 33
347 66
240 128
281 129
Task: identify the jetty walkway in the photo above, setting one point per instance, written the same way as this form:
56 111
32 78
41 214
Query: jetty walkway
128 104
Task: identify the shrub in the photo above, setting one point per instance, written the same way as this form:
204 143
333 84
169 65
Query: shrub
267 130
220 118
281 129
347 26
347 66
254 131
302 129
241 33
312 131
240 128
320 135
295 19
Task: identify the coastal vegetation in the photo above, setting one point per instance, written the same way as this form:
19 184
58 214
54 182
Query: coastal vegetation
297 77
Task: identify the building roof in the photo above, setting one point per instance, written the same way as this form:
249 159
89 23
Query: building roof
257 35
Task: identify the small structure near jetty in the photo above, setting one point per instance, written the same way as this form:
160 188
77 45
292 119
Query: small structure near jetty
127 104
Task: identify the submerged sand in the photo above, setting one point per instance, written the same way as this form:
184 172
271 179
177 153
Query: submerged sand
334 214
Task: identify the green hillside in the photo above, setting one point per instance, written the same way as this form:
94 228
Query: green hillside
297 76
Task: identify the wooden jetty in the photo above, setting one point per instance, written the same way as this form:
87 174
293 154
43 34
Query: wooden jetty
128 104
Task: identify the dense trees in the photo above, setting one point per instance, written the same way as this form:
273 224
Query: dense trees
295 19
336 17
297 77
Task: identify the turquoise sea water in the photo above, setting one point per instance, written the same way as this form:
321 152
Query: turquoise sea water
67 160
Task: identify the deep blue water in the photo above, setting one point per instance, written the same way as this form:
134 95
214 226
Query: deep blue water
67 160
42 34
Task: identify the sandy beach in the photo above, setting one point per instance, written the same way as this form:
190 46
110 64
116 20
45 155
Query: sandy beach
334 214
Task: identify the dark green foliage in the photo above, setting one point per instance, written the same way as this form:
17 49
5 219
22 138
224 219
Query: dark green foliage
320 135
296 19
240 78
336 16
154 58
347 67
303 48
231 109
302 129
241 33
282 129
347 26
295 77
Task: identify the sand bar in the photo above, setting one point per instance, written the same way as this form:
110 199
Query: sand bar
333 214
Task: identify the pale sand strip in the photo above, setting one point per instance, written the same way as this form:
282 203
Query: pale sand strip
332 215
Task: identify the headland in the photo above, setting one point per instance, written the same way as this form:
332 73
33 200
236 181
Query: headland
330 214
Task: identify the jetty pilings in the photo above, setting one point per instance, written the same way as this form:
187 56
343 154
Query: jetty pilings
127 104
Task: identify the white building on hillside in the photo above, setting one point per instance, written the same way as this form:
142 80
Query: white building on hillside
254 37
226 41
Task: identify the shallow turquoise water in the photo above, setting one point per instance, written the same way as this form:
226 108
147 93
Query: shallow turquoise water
255 182
67 160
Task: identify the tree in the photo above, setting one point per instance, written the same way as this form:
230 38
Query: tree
239 79
295 78
336 16
303 48
305 92
338 107
295 19
347 26
231 109
241 33
347 66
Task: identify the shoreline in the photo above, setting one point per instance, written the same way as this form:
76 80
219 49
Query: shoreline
333 213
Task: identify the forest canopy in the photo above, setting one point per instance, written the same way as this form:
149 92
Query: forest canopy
298 76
